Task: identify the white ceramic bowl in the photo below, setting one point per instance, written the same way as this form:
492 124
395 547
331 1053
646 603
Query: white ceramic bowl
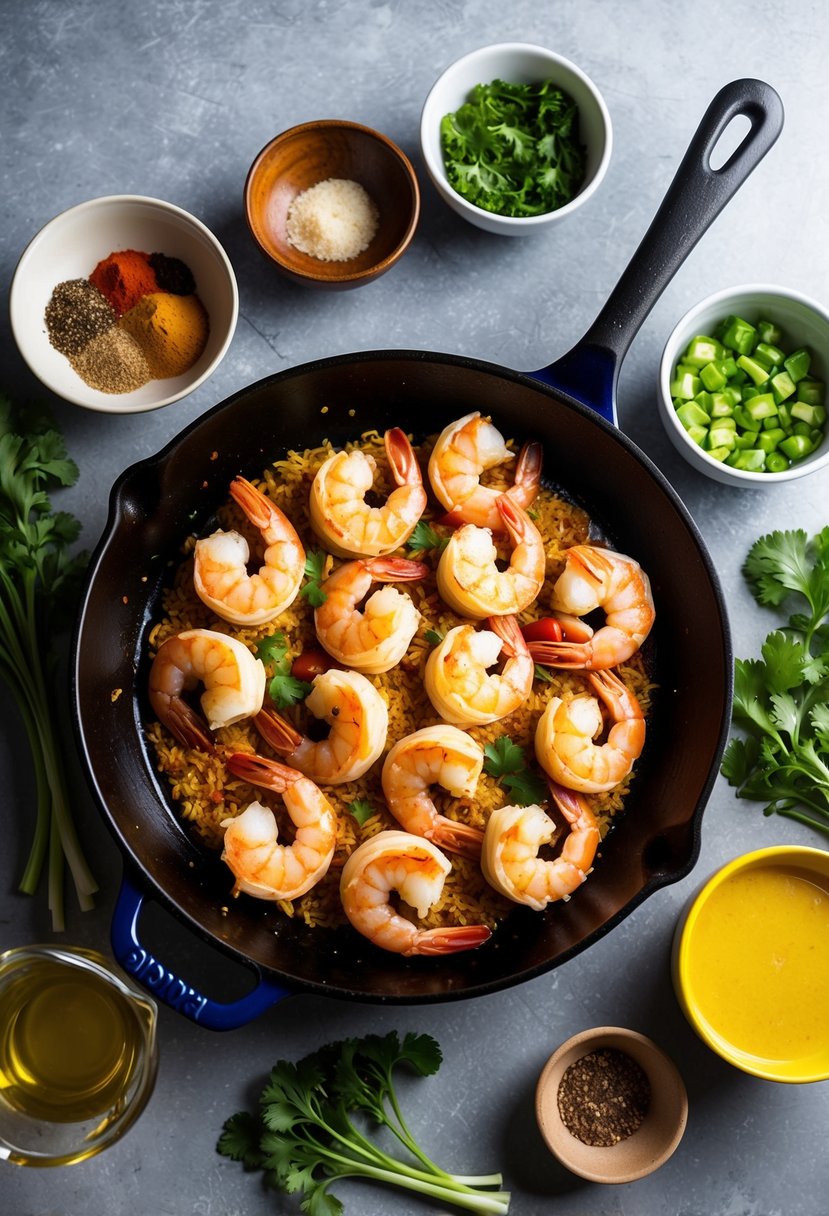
518 63
803 321
71 245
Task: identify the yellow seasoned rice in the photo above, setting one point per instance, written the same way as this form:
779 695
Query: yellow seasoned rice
205 793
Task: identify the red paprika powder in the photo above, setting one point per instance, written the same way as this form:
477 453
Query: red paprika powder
123 278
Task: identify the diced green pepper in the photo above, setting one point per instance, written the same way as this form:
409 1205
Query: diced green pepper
719 454
796 446
767 331
806 413
769 356
702 350
762 406
782 386
753 460
744 418
704 400
810 391
713 376
738 334
685 386
758 373
721 437
690 414
798 363
768 440
776 462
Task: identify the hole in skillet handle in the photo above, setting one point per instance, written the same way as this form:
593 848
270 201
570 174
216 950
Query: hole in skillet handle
170 989
701 187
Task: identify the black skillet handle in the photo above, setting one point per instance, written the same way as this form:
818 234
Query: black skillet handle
695 198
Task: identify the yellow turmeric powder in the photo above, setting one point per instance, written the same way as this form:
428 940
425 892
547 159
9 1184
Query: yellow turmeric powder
171 330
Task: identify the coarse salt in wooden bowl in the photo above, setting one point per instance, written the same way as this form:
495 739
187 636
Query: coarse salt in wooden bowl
638 1153
315 152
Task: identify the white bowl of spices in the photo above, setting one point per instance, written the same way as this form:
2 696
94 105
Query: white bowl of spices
123 304
332 204
611 1105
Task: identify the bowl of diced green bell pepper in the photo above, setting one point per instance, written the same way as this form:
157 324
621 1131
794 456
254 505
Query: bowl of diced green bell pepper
742 385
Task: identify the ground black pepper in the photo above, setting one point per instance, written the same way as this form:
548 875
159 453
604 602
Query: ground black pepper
77 313
112 362
603 1097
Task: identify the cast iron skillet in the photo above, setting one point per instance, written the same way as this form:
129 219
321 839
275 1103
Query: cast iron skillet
159 501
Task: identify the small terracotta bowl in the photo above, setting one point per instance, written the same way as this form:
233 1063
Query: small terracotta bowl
657 1136
311 153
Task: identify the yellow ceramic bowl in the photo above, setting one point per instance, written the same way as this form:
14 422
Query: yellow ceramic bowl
751 963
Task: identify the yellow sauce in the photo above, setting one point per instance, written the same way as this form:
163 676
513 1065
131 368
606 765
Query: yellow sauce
758 969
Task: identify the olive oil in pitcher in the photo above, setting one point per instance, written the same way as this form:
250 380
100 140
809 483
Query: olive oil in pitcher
68 1043
77 1054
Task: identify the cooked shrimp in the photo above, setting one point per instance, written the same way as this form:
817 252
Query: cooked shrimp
457 677
375 639
261 866
600 578
469 579
344 520
436 755
565 734
234 684
220 574
416 870
464 450
358 718
513 836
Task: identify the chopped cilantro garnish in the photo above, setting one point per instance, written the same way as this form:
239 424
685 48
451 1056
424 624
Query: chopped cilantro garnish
283 688
506 761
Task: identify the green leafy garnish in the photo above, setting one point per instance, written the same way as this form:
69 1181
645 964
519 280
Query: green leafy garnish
426 538
39 585
315 562
304 1139
542 674
283 688
433 637
514 149
362 810
781 699
507 762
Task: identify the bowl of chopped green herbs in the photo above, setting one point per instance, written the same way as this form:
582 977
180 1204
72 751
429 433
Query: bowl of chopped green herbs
515 137
742 385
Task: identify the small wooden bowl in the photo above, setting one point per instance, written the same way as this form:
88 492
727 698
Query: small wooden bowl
313 152
659 1133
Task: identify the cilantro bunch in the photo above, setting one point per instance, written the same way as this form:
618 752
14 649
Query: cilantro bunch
305 1135
39 583
514 149
781 700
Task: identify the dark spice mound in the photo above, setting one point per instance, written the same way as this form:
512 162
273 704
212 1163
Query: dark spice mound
172 275
603 1097
77 313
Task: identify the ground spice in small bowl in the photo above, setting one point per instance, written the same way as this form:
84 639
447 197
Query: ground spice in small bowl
333 221
603 1097
136 318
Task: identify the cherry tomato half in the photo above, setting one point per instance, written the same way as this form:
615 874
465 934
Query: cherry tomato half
311 663
546 629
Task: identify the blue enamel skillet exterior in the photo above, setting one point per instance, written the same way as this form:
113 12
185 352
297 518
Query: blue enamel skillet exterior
570 406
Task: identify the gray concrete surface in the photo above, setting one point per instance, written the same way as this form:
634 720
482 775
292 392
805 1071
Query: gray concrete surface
174 100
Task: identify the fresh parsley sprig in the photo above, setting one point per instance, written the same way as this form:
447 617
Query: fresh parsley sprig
425 539
514 148
39 582
305 1139
781 700
283 688
507 762
315 563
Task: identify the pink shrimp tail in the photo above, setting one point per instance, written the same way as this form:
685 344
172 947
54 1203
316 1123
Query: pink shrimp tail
457 838
401 458
450 940
395 569
528 466
571 803
258 770
276 732
183 723
509 631
255 505
572 655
